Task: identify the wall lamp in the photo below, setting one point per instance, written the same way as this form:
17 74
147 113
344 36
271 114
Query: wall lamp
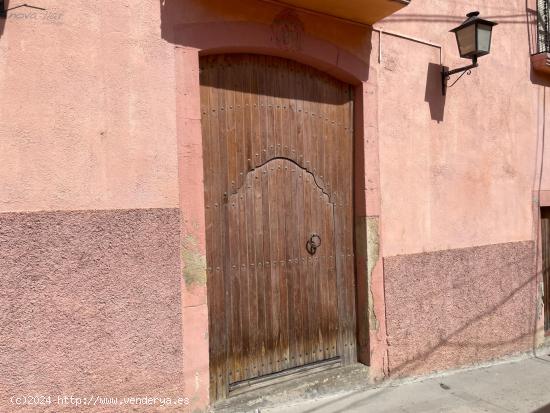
473 37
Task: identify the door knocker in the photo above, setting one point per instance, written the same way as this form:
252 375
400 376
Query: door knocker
313 243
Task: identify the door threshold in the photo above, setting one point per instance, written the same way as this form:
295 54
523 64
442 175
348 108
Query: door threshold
282 376
346 378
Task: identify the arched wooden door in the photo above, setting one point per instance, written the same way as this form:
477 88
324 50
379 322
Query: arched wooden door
278 141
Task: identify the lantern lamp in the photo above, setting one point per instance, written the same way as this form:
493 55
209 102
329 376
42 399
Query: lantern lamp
473 38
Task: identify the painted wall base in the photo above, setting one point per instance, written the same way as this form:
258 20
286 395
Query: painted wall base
90 305
453 308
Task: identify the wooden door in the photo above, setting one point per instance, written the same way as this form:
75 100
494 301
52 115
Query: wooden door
278 141
545 246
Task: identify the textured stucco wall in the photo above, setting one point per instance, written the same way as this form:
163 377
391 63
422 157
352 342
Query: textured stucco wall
458 307
90 305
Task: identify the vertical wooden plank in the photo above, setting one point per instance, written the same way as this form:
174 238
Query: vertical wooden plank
280 284
350 232
307 122
255 116
346 192
308 164
278 84
308 270
228 119
236 114
299 115
217 130
339 247
274 302
317 304
286 108
233 147
330 170
316 209
302 266
315 109
234 327
259 70
324 94
254 215
324 291
285 236
333 351
288 233
294 95
259 342
247 108
244 295
241 132
271 82
323 275
266 257
292 254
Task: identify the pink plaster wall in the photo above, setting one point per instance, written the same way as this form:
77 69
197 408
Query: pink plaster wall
456 171
459 307
90 306
87 109
100 111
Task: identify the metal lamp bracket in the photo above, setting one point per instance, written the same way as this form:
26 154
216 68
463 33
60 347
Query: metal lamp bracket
446 74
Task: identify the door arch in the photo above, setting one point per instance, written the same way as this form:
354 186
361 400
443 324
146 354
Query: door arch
278 168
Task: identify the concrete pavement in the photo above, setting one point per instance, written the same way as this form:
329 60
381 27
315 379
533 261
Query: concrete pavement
520 386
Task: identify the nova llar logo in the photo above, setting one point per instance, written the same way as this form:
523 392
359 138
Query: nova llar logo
4 11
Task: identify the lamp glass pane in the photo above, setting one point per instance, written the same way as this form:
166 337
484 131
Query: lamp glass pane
484 37
466 38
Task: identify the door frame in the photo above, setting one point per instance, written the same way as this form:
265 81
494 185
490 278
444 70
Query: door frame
199 39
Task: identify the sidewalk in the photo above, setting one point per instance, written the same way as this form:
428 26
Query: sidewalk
521 386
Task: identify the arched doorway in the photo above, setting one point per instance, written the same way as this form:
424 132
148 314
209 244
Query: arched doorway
278 172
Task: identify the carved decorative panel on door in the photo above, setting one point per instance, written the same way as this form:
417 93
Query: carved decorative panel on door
278 142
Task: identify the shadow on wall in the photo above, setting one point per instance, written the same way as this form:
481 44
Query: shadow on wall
434 95
172 13
3 19
286 35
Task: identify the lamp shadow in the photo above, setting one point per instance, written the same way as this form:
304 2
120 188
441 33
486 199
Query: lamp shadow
434 95
3 19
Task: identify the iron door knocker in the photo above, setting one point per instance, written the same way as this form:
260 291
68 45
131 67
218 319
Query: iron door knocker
313 243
